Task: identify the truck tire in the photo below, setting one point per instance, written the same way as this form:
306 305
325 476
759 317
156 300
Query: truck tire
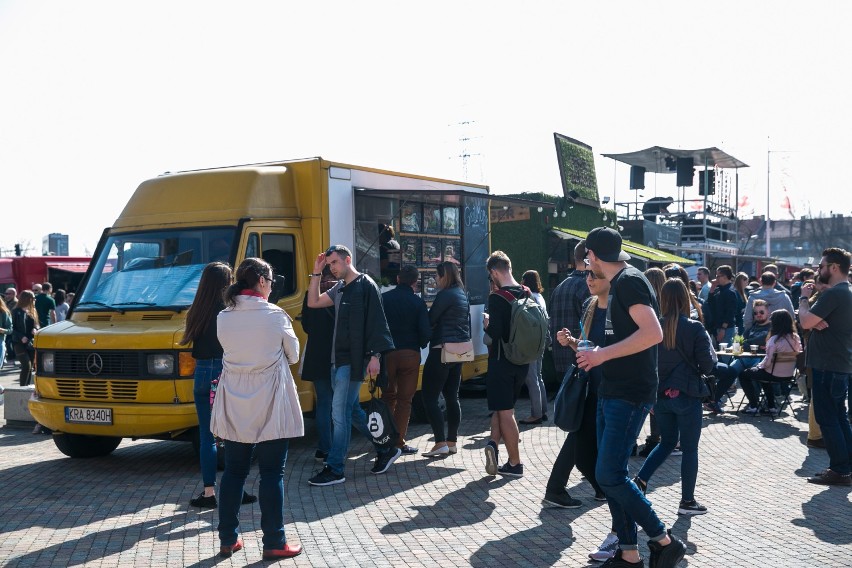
418 409
80 446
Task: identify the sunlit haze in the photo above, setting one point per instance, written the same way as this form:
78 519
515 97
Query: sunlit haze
98 96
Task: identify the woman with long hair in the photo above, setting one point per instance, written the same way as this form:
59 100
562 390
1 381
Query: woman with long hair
24 325
677 271
449 317
5 329
534 380
256 409
207 352
61 305
686 350
581 447
782 338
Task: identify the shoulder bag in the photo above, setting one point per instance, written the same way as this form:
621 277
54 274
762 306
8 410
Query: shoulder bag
709 381
570 400
457 352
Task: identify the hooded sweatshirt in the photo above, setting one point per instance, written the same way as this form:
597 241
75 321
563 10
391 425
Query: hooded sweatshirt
775 300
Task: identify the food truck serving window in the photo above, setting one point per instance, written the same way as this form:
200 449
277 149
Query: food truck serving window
423 231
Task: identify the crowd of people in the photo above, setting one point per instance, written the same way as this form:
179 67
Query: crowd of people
658 347
21 314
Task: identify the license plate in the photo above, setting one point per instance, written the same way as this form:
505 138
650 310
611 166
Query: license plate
82 415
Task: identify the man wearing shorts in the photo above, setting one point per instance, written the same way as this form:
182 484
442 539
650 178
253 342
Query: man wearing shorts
504 379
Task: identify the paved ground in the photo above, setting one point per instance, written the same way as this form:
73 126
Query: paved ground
130 509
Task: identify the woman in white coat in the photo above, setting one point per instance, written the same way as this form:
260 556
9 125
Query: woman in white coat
256 409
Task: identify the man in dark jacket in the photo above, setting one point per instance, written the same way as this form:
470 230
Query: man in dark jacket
360 334
722 306
566 308
408 321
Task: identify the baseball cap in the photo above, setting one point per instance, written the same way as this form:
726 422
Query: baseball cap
606 244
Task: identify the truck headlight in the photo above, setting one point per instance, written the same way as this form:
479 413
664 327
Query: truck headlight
161 364
47 362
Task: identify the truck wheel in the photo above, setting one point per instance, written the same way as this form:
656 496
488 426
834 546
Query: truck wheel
80 446
418 409
220 450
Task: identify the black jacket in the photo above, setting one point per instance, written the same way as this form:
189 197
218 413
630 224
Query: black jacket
207 346
674 371
318 324
407 318
449 317
722 308
368 328
23 325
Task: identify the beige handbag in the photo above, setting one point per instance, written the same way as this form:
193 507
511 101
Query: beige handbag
457 352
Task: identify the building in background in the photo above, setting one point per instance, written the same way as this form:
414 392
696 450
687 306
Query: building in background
55 244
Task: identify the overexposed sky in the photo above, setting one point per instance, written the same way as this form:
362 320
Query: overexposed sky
95 97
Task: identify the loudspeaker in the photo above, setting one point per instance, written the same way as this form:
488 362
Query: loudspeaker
685 172
637 177
711 180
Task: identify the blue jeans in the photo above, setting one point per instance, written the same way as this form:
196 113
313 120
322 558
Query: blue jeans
726 375
829 393
679 419
618 425
206 370
322 412
345 411
271 458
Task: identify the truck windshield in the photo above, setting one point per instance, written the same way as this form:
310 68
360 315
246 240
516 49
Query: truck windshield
153 269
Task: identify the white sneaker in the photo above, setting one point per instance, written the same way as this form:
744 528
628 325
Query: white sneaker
606 550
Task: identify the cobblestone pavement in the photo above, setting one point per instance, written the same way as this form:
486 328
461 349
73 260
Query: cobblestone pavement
131 508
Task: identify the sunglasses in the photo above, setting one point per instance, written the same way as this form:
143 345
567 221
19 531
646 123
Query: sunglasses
591 275
821 266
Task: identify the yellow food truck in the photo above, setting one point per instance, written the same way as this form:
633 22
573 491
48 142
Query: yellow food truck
115 369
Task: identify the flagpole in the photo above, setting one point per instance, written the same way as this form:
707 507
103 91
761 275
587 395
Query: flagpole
768 226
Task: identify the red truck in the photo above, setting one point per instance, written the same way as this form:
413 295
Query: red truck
21 272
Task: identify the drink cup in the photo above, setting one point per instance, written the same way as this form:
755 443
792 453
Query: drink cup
723 347
753 349
585 345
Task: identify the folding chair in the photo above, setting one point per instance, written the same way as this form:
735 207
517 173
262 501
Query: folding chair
786 383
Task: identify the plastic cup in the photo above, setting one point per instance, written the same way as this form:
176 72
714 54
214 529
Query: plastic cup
723 347
753 349
585 345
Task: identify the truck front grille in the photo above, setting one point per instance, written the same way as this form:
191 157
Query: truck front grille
114 363
97 389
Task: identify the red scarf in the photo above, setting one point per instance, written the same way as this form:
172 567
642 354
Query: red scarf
250 292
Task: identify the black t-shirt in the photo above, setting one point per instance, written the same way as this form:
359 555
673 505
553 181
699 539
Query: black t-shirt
500 317
830 349
634 377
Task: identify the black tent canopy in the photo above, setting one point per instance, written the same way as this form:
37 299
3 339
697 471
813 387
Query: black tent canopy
660 160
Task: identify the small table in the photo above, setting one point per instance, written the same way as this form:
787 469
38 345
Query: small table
757 355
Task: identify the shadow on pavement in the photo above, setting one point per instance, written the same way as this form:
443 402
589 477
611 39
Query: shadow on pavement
466 506
820 516
536 546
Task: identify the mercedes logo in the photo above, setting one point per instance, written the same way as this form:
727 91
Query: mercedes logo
94 363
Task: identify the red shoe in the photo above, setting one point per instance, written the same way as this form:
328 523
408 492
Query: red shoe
227 551
289 551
